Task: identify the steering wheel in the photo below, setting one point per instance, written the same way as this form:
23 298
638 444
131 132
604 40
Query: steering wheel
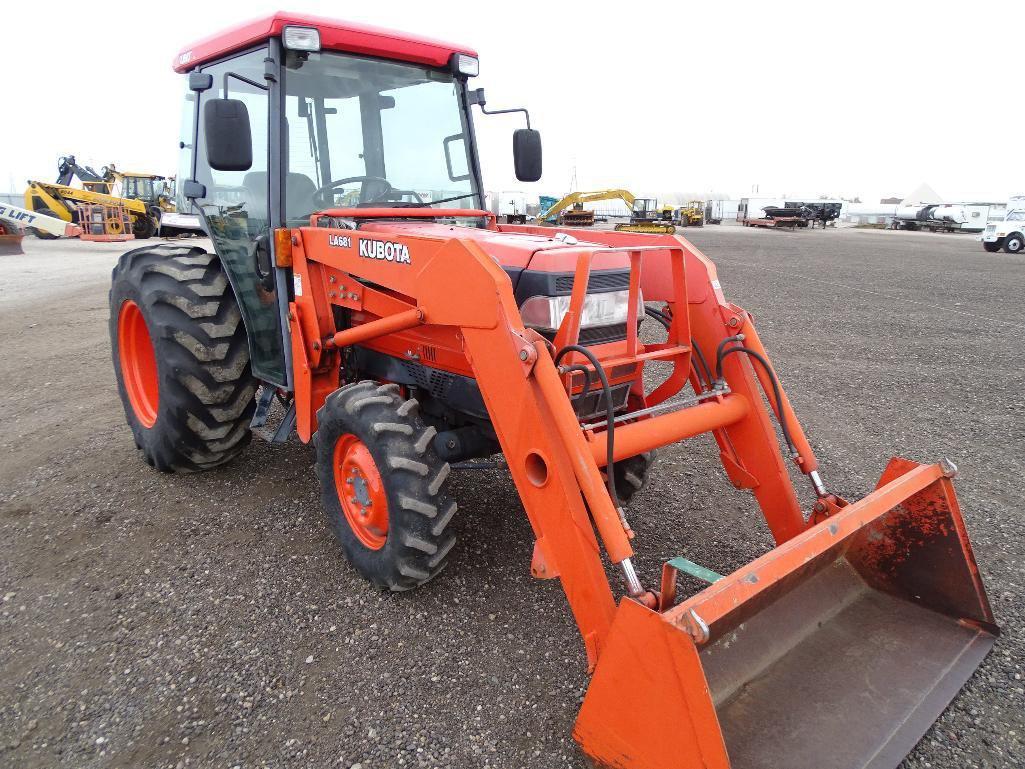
324 196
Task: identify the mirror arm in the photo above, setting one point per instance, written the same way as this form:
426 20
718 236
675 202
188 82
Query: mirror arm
505 111
253 83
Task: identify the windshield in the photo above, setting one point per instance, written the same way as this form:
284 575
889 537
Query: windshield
365 132
138 188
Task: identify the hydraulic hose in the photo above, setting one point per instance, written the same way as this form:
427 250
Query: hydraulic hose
587 379
610 476
700 357
780 414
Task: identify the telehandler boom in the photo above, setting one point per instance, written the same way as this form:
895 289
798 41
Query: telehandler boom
357 280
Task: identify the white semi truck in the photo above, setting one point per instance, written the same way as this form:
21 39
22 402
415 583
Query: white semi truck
1008 234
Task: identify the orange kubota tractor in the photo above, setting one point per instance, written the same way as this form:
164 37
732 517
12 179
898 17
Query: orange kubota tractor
356 279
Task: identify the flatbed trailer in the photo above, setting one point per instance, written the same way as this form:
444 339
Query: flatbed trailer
789 222
929 225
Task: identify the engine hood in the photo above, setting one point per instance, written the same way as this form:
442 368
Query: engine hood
514 251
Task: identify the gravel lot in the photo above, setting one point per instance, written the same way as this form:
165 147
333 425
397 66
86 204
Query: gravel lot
151 620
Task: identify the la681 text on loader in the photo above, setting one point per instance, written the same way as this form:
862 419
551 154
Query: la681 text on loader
356 279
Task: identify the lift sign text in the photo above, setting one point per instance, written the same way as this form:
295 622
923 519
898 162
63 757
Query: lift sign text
384 249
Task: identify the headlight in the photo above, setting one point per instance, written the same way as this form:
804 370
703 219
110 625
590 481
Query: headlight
301 38
465 65
545 313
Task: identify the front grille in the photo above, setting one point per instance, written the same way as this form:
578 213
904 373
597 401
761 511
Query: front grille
596 335
434 381
603 334
593 404
598 282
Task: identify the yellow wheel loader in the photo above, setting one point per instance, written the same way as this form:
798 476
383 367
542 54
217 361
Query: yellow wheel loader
692 214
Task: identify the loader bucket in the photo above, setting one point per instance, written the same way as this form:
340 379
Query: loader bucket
10 243
836 650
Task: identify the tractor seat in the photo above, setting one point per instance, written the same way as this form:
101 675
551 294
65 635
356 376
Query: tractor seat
299 190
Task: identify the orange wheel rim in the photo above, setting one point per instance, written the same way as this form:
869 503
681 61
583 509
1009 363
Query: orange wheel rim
361 492
138 363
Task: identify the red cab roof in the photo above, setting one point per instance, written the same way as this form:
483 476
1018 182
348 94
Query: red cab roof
334 35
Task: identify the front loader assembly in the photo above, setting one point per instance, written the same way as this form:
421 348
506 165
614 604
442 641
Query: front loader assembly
837 648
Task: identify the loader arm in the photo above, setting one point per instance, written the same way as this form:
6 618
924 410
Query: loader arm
556 465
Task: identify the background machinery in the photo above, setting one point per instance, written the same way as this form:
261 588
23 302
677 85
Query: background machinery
154 190
692 214
646 217
1008 233
14 220
569 211
818 213
405 333
10 238
933 218
59 199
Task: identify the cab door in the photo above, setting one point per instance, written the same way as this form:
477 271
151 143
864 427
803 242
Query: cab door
238 213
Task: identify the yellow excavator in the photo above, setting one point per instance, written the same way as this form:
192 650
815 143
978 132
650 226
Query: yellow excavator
569 211
59 199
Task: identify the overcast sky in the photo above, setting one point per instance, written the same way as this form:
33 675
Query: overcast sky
842 99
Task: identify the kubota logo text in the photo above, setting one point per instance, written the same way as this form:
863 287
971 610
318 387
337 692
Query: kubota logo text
384 249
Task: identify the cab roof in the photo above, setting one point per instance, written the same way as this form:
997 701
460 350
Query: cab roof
334 35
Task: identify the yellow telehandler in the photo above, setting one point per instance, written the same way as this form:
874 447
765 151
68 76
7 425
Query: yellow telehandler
59 199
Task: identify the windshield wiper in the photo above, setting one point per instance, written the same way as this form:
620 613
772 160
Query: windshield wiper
443 200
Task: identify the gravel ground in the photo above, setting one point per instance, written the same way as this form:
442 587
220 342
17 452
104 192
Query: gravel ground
151 620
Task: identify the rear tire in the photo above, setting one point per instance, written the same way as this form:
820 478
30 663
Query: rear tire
372 447
181 358
994 246
1014 243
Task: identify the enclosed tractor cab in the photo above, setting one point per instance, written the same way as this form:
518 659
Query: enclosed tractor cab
356 279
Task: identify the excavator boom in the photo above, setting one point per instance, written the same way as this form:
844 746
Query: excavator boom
579 198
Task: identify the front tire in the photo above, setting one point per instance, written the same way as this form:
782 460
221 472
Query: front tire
143 227
383 486
1014 243
181 358
993 246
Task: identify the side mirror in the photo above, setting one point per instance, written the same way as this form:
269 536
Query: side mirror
527 154
229 138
